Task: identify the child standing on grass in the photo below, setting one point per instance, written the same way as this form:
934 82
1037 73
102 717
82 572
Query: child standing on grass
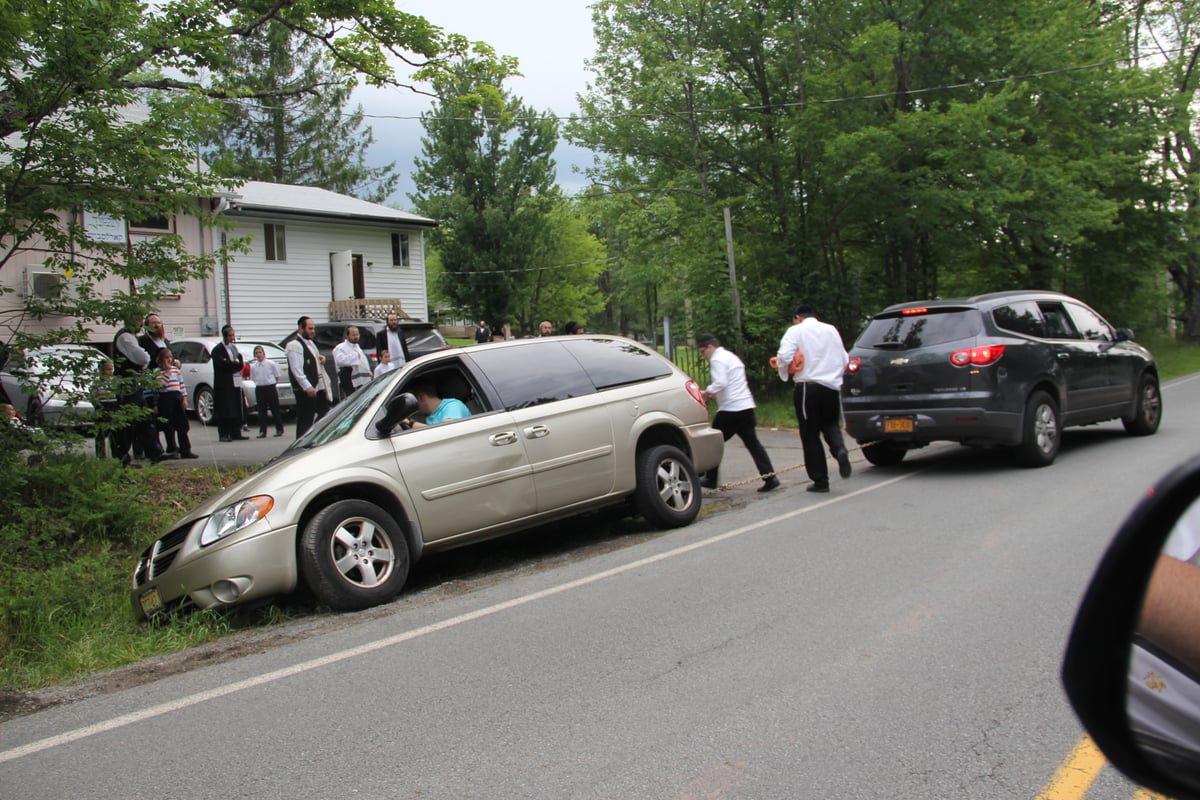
172 406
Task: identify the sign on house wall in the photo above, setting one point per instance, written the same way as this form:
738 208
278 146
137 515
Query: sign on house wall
103 228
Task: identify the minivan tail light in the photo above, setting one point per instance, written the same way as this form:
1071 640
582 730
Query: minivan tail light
694 390
977 356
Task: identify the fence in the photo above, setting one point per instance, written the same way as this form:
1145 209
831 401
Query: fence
362 308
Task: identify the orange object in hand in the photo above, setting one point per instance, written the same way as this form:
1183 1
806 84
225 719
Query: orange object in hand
796 365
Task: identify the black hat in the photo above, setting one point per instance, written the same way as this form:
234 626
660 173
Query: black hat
705 339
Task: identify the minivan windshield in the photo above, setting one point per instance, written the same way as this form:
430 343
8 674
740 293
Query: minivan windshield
344 415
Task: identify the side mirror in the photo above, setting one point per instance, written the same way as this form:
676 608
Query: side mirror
1124 334
399 407
1132 666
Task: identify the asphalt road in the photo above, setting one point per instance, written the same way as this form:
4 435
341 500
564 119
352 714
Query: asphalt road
900 637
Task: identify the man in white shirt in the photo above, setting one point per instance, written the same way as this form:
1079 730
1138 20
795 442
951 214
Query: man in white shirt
353 368
818 393
307 375
735 408
392 340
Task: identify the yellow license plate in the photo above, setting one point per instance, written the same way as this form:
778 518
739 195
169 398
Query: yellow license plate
898 425
151 603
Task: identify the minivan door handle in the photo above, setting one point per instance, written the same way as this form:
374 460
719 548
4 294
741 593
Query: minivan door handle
536 431
501 439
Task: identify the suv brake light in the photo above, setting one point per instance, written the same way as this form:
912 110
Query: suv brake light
694 390
908 312
854 364
977 356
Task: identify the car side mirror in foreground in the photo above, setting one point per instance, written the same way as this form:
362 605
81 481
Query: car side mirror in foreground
399 407
1132 666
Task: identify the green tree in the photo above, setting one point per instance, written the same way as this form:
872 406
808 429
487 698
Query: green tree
99 104
487 174
292 127
871 152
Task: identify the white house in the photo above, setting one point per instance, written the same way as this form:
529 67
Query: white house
308 247
312 246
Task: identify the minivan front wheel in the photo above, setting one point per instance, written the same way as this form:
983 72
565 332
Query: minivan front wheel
1041 434
353 555
668 491
1148 411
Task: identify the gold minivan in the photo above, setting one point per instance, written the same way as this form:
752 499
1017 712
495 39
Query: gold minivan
556 426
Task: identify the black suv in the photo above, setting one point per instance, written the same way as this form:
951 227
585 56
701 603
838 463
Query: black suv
420 338
1008 368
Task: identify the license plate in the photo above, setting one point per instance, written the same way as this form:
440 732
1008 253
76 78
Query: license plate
898 425
151 603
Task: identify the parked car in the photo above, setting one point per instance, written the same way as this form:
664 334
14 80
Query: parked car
557 426
49 386
1008 368
420 338
195 362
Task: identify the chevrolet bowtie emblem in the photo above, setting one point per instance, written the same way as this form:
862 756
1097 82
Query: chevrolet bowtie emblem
899 362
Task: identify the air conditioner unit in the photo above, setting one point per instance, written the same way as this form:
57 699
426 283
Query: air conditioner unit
43 284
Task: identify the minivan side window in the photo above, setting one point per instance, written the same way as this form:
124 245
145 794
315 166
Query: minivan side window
1021 316
532 375
1058 322
612 363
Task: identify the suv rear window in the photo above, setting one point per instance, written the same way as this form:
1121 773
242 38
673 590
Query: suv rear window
898 331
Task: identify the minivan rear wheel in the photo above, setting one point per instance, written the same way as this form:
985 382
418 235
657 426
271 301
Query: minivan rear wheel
353 555
1147 412
1041 433
668 491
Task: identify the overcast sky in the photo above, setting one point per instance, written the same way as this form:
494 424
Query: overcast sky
551 38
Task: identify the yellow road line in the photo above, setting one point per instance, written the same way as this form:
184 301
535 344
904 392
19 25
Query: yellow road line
1076 773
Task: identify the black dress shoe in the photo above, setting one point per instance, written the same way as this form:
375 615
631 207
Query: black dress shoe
705 483
188 455
262 435
226 438
770 483
843 459
822 488
279 432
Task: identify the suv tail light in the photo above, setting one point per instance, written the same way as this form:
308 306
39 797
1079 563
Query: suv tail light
977 356
854 364
694 390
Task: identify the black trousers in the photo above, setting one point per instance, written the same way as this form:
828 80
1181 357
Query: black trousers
267 399
309 410
819 412
742 424
173 422
143 431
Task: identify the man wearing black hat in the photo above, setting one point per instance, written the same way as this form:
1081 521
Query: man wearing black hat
735 408
818 392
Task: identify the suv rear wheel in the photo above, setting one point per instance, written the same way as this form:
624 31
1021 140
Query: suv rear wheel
1042 434
668 491
883 453
1148 410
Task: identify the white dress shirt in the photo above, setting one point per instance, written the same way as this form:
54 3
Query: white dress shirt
825 358
729 382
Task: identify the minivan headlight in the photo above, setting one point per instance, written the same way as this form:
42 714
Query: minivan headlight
235 517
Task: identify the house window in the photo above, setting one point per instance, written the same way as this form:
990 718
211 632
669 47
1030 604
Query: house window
400 250
276 243
160 224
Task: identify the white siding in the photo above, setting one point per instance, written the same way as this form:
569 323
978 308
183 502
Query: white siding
266 298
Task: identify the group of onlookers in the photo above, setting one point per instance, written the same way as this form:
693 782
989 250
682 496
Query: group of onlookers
125 384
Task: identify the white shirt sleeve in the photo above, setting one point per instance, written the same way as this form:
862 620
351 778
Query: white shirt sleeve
295 355
788 346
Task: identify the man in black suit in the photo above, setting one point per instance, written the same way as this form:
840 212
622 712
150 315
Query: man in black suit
307 375
227 386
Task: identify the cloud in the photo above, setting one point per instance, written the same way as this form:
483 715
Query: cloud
551 62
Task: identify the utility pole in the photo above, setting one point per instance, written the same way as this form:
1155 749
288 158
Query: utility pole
737 302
